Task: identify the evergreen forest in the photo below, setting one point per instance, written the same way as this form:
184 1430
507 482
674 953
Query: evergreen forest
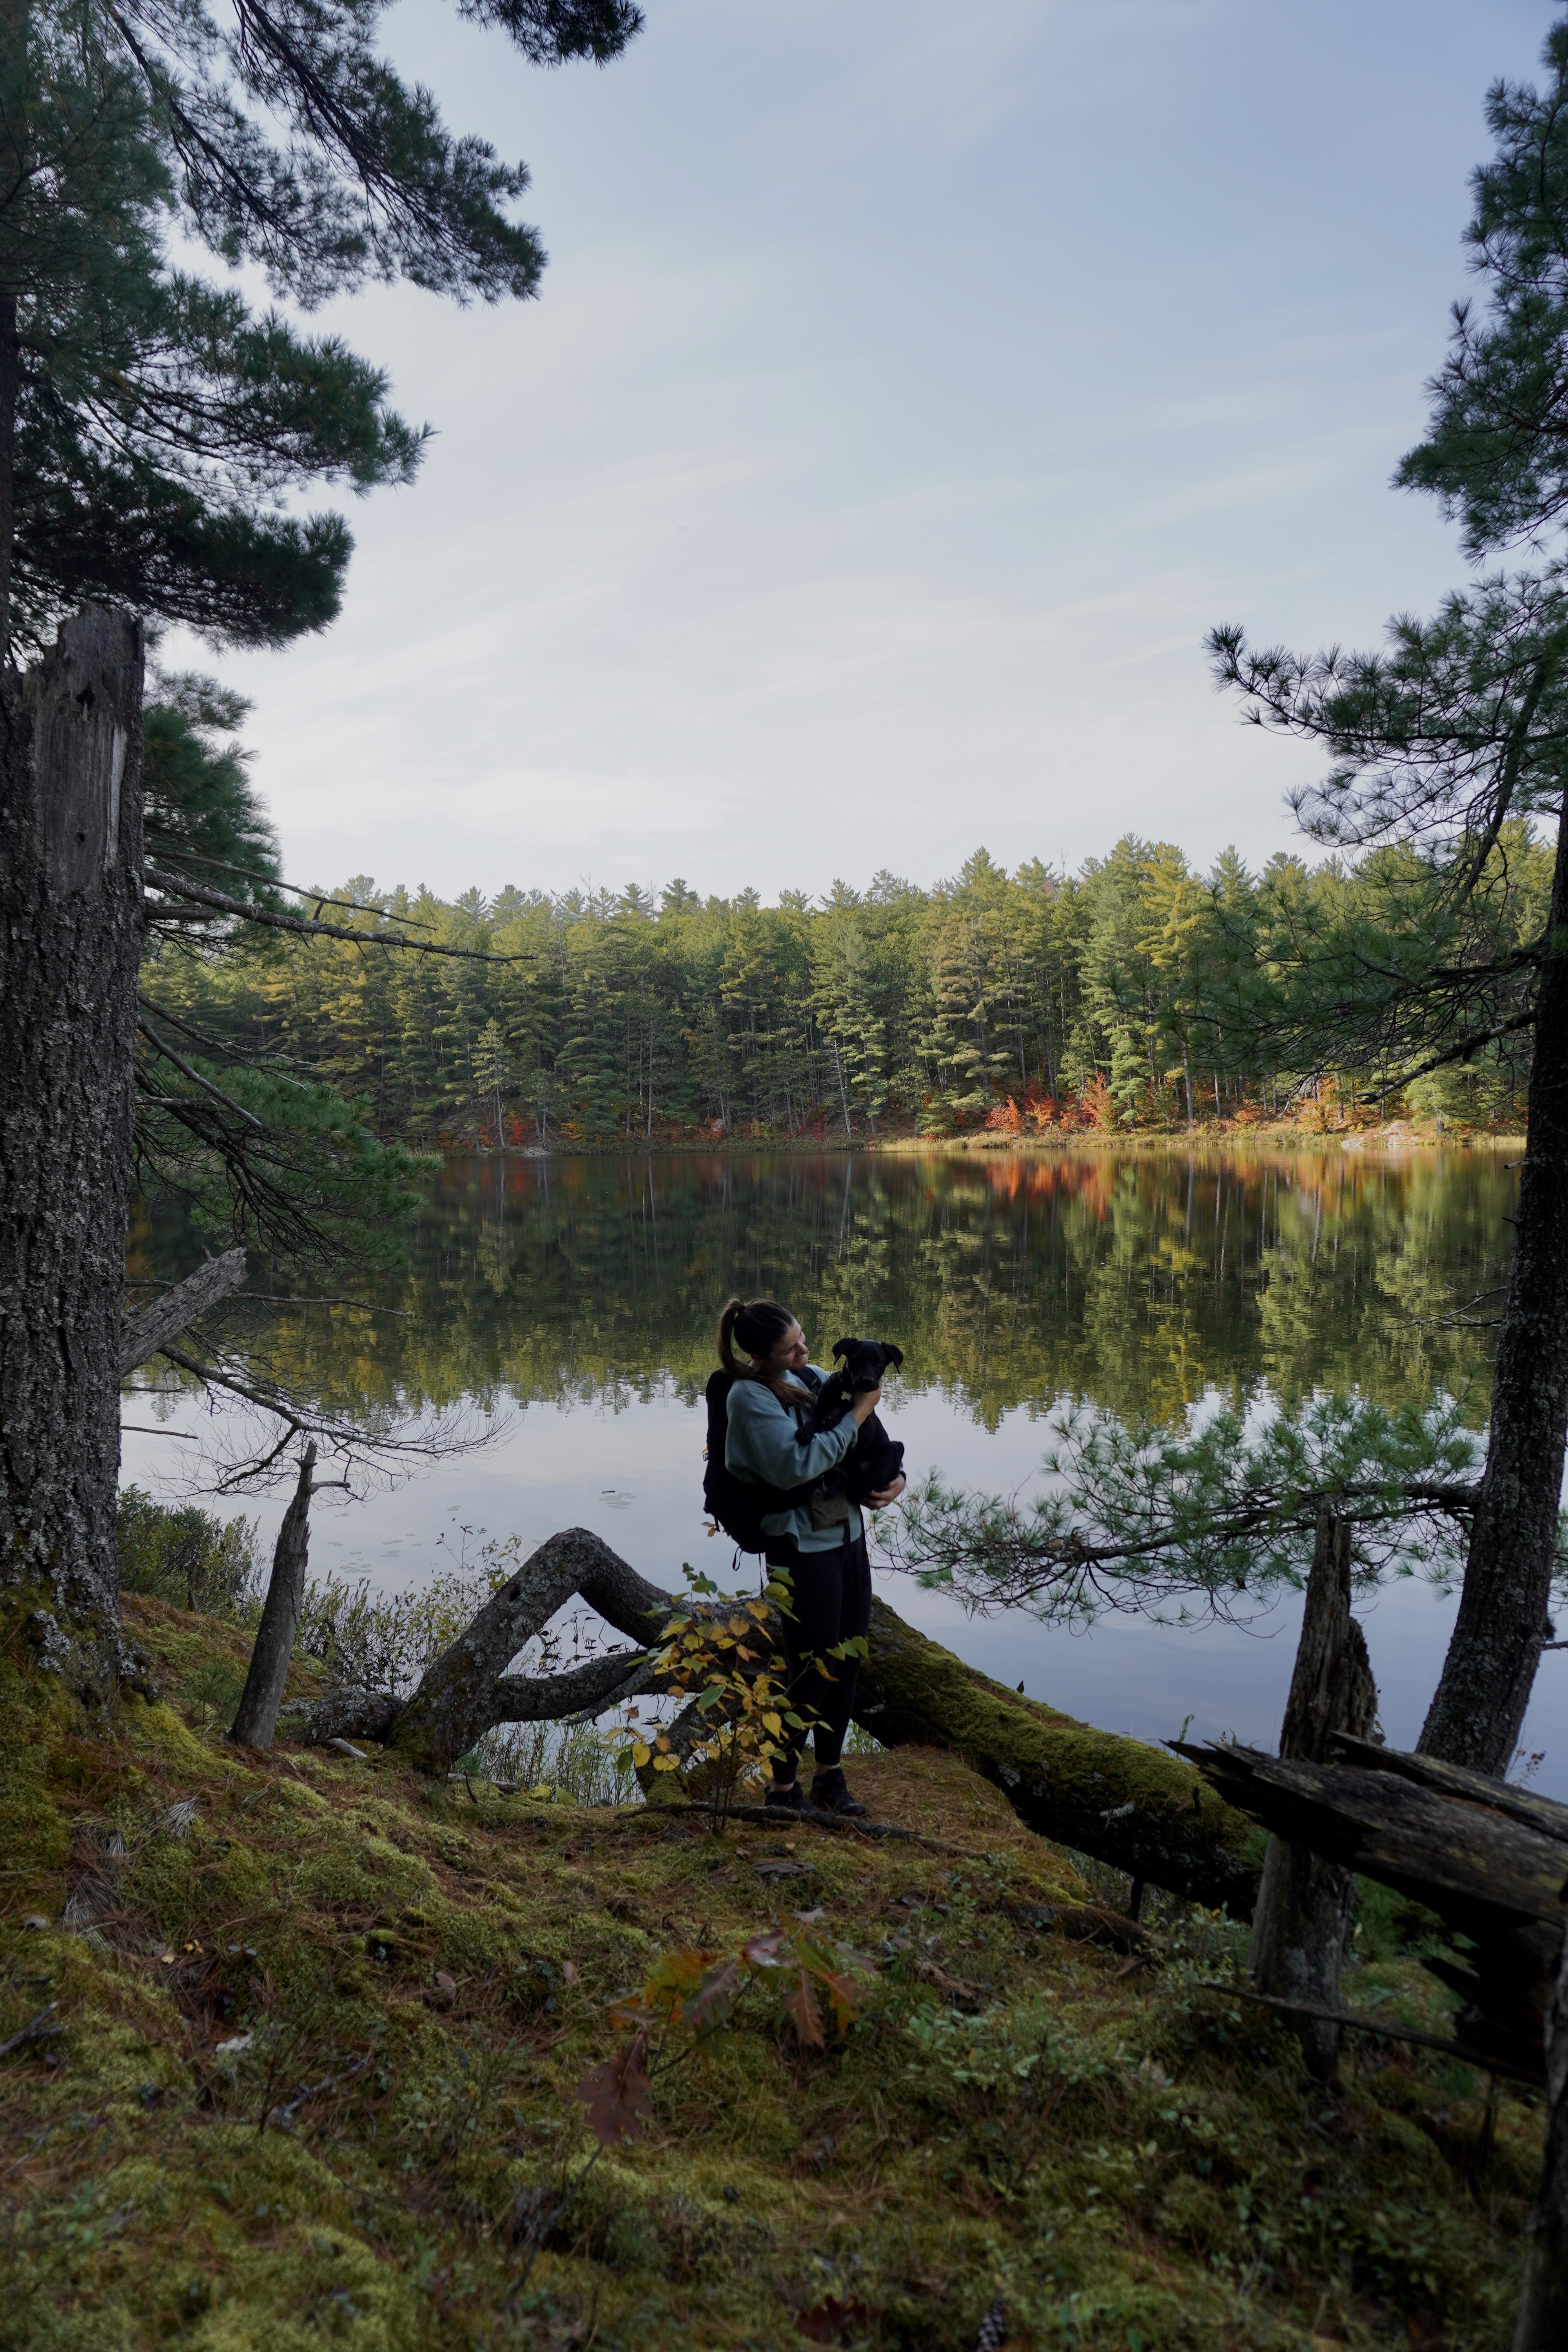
1137 994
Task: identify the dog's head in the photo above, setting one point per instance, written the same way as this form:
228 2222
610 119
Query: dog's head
864 1361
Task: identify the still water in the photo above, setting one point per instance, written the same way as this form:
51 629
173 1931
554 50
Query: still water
568 1305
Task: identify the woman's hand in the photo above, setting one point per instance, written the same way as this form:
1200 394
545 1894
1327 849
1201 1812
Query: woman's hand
865 1405
888 1494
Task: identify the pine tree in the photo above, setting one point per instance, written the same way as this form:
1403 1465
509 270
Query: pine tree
149 420
1437 744
149 426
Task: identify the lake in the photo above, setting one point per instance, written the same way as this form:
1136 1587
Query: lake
569 1304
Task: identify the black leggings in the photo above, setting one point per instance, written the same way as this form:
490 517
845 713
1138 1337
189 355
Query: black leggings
832 1603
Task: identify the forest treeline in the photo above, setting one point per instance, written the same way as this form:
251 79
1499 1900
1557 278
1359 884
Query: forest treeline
1134 994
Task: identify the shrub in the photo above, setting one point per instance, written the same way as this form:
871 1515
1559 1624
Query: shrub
187 1556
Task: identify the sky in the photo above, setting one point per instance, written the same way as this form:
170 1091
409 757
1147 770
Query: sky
911 388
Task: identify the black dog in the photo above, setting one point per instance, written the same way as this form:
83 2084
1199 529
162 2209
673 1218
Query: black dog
875 1460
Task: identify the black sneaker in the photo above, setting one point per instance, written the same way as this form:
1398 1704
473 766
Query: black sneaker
831 1794
784 1800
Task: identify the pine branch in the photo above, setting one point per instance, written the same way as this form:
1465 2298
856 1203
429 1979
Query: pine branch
199 895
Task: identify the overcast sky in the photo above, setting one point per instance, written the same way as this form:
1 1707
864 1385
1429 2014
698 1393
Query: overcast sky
910 388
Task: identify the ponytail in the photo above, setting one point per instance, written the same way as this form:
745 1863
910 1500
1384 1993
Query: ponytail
759 1324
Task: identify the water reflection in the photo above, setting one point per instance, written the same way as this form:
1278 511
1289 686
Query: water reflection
585 1292
1008 1281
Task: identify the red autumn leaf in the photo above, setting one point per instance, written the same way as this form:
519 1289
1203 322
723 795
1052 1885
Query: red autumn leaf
803 2012
616 2094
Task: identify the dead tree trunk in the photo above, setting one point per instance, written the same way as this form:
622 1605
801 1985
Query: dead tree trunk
70 940
1304 1902
256 1720
1542 2322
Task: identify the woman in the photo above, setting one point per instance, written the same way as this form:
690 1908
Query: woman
818 1545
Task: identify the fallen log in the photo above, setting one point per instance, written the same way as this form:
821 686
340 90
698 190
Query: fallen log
1488 1859
1127 1804
1492 1861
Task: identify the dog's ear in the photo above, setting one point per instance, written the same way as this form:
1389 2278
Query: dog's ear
842 1347
895 1356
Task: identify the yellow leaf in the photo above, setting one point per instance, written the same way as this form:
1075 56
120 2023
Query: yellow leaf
774 1724
666 1763
641 1755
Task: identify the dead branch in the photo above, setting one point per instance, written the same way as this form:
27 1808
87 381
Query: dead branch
179 885
146 1334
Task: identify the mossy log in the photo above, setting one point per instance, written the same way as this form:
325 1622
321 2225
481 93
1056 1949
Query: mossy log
1130 1805
1127 1804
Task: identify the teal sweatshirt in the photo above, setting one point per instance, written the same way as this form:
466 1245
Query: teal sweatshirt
762 1444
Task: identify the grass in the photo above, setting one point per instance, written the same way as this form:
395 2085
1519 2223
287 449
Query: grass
320 2039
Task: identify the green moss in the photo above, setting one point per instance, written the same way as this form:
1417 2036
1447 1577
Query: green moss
1129 2157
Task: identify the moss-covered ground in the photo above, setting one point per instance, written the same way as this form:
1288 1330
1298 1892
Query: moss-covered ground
419 1978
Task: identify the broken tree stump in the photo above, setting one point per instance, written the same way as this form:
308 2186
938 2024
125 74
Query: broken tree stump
256 1719
1304 1900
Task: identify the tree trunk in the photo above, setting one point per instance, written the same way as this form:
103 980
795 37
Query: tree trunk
1542 2322
1475 1716
70 941
1304 1902
256 1719
9 386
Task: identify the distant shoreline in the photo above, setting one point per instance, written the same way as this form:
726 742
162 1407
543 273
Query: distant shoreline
1396 1136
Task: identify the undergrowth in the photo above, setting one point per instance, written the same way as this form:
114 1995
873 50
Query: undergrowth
309 2036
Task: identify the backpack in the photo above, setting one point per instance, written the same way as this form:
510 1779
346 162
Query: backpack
738 1504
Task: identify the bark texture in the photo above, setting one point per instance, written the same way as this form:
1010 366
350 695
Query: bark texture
71 896
1542 2322
1304 1902
1478 1708
142 1335
1130 1805
469 1689
256 1723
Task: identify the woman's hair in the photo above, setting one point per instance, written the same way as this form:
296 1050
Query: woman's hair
759 1324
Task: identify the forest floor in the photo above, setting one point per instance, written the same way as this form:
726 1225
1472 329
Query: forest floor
309 2032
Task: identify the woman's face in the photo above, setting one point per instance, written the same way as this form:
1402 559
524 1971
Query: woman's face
789 1354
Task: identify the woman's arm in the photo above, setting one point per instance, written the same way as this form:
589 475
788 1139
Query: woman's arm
762 1441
